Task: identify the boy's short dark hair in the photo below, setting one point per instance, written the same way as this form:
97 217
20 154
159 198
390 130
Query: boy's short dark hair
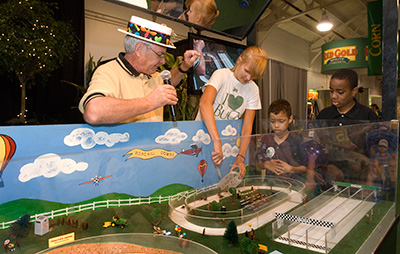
374 105
280 105
347 74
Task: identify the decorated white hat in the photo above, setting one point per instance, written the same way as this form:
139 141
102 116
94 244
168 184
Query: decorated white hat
149 31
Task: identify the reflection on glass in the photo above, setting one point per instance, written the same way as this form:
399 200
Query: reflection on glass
215 54
172 8
350 177
231 18
361 154
201 12
139 3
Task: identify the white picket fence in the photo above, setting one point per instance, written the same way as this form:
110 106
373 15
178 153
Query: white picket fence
111 203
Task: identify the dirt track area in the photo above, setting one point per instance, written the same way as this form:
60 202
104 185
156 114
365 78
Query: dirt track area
109 248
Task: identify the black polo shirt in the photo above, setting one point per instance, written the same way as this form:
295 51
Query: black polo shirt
358 114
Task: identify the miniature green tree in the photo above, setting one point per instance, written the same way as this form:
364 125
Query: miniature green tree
271 182
215 206
231 233
156 216
21 226
247 246
32 42
232 190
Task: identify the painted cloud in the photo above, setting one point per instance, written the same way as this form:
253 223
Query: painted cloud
87 138
229 150
201 136
49 165
229 131
172 136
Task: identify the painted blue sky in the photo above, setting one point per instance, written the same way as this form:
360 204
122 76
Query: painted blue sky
52 161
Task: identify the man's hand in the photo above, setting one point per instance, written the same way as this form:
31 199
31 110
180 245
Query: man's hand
189 57
163 95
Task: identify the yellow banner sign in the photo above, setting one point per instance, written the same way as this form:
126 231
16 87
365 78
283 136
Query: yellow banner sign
145 155
63 239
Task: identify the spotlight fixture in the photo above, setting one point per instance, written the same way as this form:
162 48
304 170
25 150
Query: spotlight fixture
325 24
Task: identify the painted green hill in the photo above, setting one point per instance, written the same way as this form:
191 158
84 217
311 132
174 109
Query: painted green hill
14 209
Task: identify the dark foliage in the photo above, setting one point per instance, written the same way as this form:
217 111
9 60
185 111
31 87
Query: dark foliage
21 226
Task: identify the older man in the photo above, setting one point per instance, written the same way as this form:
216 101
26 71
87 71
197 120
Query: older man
128 89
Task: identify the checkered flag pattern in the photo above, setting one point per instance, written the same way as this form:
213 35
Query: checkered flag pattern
316 246
299 219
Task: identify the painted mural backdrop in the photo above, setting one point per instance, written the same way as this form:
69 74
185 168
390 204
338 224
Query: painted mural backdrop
72 163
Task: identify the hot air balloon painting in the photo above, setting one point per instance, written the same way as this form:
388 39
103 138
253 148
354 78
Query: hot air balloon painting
202 168
7 150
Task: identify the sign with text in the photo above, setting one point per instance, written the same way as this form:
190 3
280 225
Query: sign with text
63 239
312 95
347 53
375 38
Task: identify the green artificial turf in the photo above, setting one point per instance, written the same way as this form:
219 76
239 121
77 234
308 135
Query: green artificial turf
139 221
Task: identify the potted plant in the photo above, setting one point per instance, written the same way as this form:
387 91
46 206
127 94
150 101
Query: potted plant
187 105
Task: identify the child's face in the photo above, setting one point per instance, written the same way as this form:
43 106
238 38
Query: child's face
280 122
242 71
341 93
382 149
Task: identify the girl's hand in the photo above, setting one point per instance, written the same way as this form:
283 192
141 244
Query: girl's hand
239 163
217 155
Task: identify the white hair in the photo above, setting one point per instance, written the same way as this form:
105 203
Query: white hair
130 43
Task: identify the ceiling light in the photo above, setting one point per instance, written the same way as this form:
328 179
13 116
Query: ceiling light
325 24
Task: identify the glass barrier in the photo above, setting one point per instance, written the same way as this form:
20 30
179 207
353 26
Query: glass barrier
308 188
349 173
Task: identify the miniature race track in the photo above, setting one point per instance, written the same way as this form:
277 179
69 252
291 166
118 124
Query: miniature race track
178 215
330 213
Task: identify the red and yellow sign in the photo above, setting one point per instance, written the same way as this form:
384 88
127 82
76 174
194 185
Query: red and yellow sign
63 239
347 53
312 95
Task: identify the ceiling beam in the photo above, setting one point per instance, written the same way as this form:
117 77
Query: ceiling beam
321 41
300 14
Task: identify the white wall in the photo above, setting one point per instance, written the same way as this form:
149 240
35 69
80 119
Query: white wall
284 47
287 48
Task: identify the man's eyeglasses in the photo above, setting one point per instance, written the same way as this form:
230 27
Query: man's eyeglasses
160 55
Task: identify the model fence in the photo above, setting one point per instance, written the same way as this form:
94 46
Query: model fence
105 204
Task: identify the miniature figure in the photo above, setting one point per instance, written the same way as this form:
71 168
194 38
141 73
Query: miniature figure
159 231
116 221
383 164
223 210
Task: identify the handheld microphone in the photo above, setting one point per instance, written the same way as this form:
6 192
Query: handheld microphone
166 76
